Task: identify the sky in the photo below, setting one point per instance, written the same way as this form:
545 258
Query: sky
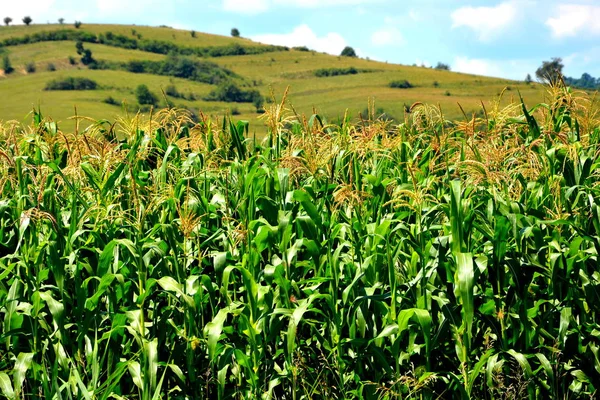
506 39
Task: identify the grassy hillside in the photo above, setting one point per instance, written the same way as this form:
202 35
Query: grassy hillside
266 72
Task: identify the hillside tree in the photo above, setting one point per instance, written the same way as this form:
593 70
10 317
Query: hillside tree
86 54
77 24
348 52
442 66
7 21
6 65
235 33
550 71
27 20
61 21
528 79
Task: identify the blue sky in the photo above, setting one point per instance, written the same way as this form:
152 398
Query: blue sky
495 38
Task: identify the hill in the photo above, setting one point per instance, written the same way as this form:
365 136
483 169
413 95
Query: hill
333 85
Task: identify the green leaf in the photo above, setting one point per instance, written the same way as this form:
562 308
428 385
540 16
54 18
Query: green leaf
22 365
6 386
465 278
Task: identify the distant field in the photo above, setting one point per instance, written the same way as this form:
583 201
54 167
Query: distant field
268 72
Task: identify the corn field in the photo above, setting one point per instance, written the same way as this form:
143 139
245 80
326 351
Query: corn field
161 258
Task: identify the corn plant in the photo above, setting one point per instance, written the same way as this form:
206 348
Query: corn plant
164 258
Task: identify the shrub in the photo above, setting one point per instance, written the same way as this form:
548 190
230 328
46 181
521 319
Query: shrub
111 100
71 83
72 60
30 67
400 84
172 91
442 66
258 103
447 93
145 96
51 67
436 84
77 24
6 65
235 111
193 33
301 48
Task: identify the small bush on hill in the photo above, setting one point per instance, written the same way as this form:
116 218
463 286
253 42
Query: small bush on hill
30 67
111 100
71 83
301 48
400 84
145 96
326 72
6 65
172 91
323 72
51 67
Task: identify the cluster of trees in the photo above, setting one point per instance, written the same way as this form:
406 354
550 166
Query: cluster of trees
181 67
229 92
552 71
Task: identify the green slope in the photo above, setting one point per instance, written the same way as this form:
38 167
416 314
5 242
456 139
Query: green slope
266 72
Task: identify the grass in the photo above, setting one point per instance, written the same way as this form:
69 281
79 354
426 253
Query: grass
269 71
162 258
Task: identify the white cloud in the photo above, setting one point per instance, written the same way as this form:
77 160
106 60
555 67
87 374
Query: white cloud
476 66
485 21
332 43
246 6
387 36
572 19
414 15
322 3
112 8
588 61
509 69
259 6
